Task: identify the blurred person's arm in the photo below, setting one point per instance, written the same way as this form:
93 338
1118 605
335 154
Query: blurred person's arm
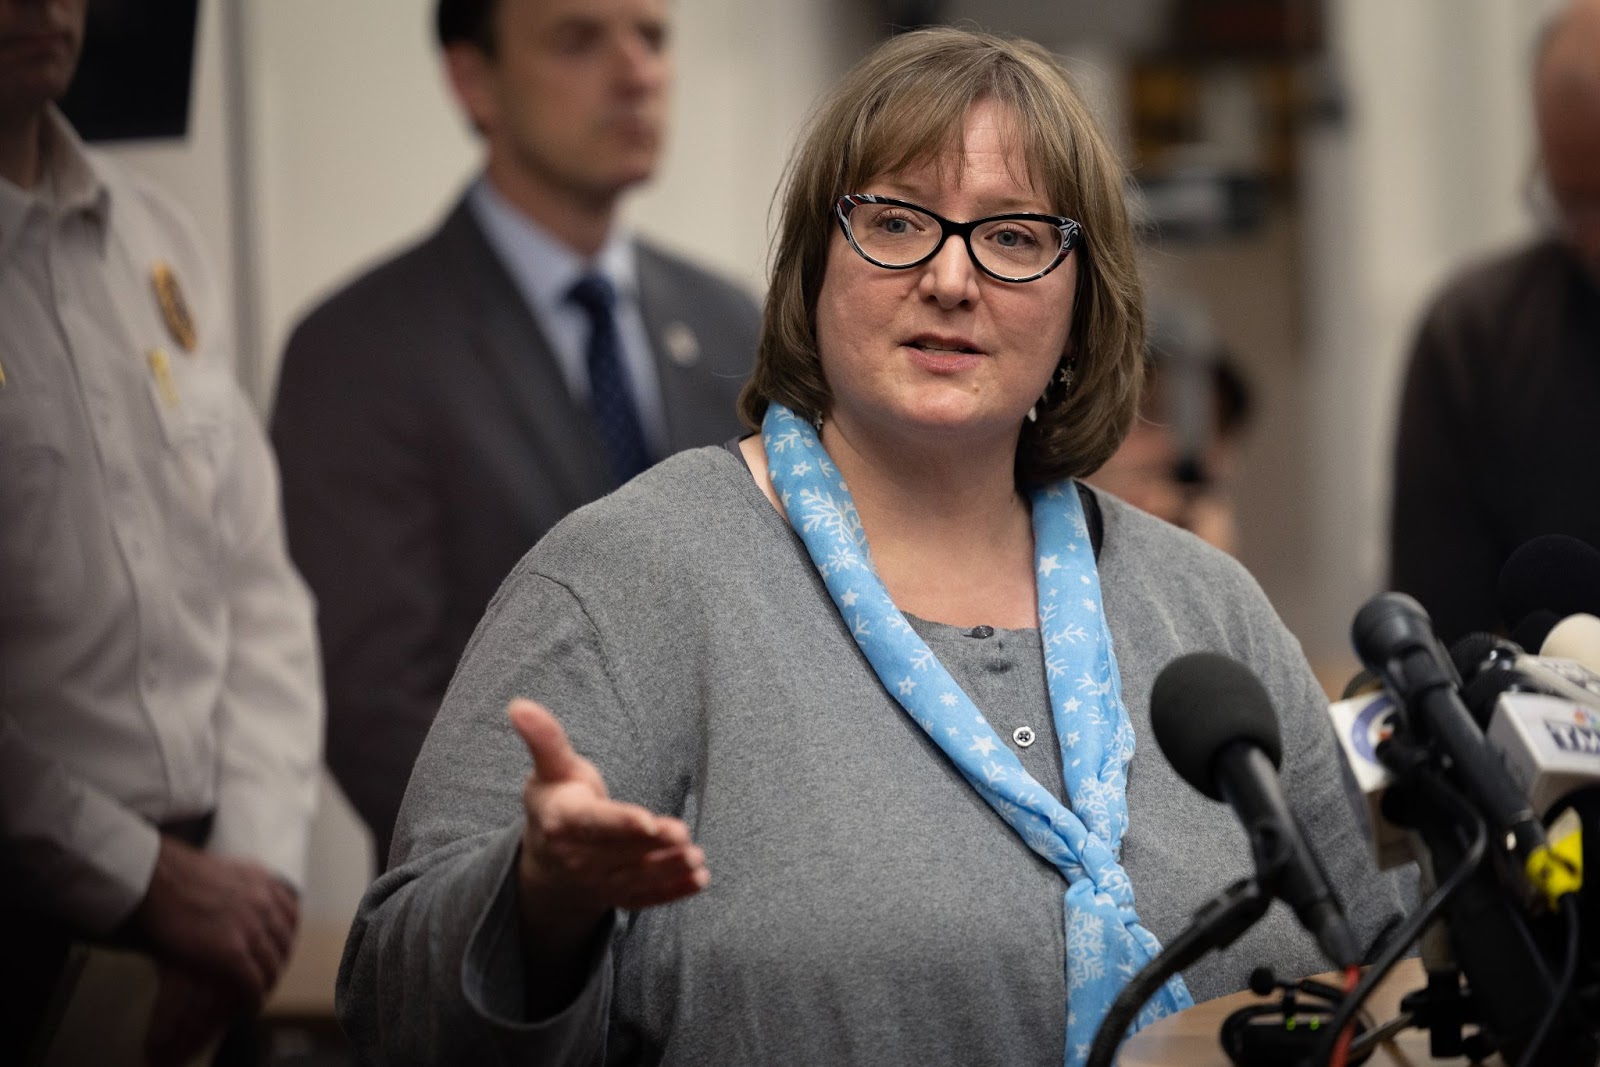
75 852
71 848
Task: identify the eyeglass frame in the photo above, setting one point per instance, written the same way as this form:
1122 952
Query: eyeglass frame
1070 229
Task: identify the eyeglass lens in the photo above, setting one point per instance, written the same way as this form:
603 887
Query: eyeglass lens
898 236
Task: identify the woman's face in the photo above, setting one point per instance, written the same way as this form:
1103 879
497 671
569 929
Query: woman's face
943 350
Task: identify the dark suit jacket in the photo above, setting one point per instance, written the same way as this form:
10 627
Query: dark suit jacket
427 440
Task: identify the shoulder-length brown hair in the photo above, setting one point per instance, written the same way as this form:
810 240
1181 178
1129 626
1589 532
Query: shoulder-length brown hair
906 104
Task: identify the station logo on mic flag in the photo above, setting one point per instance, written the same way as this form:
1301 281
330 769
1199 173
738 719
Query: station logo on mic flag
1581 734
1361 724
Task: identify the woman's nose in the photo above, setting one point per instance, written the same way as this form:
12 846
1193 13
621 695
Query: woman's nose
950 277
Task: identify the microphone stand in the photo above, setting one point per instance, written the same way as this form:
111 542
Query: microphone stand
1499 950
1442 1007
1216 925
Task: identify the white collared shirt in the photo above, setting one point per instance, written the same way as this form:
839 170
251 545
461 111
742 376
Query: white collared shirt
157 651
545 270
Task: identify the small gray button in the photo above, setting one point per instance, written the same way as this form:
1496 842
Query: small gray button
981 631
1023 736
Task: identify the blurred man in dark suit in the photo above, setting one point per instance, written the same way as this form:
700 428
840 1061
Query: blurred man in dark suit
439 414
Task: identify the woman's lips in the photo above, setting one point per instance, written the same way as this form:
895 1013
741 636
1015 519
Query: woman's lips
941 361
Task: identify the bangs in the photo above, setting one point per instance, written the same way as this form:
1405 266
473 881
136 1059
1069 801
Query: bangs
919 120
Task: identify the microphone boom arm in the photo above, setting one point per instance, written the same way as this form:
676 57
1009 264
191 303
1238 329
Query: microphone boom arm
1216 926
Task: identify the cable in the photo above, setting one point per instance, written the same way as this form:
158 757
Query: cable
1216 925
1569 911
1362 1046
1341 1046
1412 928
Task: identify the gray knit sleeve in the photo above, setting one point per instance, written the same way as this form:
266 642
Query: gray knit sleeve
433 971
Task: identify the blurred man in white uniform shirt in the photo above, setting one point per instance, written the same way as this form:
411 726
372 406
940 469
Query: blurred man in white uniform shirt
160 716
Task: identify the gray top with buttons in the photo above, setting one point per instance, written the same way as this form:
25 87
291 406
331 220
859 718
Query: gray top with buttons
866 906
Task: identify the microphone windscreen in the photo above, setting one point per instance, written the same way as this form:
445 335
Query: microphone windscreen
1532 631
1576 637
1263 981
1387 625
1553 572
1200 703
1469 652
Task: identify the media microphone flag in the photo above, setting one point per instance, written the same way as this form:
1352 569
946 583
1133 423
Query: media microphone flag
1394 639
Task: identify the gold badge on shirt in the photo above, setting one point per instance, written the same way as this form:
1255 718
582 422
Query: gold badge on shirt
161 372
174 308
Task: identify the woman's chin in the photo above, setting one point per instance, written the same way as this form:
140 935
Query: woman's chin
953 420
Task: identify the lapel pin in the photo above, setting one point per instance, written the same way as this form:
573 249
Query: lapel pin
683 347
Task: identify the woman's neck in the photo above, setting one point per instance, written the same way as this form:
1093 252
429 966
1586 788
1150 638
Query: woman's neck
953 502
951 536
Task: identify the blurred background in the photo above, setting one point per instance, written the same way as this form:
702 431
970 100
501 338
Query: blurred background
1308 172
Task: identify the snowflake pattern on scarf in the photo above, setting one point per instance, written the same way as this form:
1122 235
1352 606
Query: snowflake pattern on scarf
1106 944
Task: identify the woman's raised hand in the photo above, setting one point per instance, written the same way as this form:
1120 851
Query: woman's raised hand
584 853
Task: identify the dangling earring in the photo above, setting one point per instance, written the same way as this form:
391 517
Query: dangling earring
1065 375
1063 380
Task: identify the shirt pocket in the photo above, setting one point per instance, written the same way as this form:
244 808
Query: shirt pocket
194 458
41 557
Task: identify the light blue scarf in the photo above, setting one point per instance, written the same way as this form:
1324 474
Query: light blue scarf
1106 945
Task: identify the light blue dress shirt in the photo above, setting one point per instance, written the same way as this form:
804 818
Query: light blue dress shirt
545 271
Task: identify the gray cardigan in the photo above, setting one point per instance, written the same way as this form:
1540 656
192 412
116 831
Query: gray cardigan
866 906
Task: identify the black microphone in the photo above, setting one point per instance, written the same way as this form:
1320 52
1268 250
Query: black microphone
1491 667
1215 724
1394 639
1552 573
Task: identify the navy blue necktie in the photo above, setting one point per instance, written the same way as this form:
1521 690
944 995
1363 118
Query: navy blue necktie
616 415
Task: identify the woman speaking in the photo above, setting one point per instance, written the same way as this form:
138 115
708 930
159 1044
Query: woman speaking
842 753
